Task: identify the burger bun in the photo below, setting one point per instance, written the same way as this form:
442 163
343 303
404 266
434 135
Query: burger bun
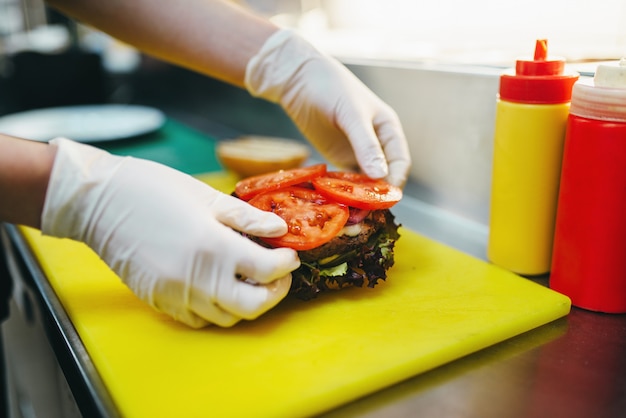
253 155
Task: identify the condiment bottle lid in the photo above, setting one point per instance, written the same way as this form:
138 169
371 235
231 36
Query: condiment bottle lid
612 76
604 96
538 81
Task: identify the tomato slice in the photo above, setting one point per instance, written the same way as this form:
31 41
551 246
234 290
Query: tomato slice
357 190
312 218
249 187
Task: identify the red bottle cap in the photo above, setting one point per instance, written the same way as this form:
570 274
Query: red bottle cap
538 81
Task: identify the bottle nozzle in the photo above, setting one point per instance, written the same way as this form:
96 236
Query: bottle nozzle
541 50
540 65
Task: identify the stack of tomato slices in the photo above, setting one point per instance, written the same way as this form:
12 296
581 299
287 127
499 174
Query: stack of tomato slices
315 203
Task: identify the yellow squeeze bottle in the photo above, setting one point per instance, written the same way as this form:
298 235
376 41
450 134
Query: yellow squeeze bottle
531 117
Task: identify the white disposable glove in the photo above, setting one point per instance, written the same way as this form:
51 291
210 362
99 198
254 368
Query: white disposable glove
347 123
167 235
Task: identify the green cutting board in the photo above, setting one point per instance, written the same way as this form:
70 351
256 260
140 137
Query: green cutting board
301 358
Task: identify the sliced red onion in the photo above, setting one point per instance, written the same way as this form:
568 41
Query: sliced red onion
356 215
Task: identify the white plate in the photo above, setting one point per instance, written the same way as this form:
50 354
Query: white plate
91 123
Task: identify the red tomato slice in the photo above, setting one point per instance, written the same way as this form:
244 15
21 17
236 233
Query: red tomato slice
357 190
312 219
252 186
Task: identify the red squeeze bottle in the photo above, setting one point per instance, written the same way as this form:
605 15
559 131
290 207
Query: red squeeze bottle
589 257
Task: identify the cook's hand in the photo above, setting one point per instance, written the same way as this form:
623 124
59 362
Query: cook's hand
167 235
342 118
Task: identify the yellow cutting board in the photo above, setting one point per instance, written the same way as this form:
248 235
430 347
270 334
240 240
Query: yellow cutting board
301 358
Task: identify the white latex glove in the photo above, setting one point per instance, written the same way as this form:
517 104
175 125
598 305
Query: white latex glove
347 123
167 235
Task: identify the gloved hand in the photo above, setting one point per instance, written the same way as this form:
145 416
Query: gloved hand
347 123
167 235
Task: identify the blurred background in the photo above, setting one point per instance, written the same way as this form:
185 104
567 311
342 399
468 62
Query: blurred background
436 63
490 32
484 32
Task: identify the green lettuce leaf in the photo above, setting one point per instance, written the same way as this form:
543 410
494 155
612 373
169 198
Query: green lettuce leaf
364 266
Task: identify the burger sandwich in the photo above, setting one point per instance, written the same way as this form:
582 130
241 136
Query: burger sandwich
338 222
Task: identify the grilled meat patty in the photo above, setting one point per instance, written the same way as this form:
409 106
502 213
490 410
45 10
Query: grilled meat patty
342 243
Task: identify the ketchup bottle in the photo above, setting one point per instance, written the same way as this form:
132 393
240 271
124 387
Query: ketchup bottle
589 261
531 117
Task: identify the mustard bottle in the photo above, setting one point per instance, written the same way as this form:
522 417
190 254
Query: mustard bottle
531 117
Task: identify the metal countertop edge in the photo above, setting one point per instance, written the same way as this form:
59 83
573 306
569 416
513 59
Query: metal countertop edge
65 340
